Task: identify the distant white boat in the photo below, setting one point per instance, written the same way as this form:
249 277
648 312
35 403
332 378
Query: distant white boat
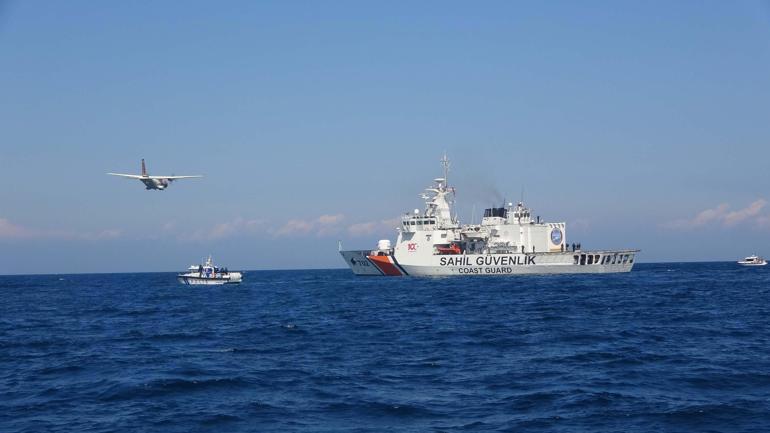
209 275
753 261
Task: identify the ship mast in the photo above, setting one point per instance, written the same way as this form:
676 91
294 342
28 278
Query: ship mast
446 189
445 163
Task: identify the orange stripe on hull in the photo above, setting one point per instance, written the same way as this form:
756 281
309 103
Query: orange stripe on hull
385 264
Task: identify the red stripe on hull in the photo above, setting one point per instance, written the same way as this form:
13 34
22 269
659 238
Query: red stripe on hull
385 265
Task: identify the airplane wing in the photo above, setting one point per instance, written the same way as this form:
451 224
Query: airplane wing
132 176
173 177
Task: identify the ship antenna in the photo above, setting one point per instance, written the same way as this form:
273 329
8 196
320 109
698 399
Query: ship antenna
445 164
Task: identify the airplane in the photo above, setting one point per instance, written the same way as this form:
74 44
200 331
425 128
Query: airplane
153 182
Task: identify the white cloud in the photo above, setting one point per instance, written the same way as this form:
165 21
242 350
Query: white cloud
330 219
102 235
9 230
329 224
749 212
721 215
294 227
321 226
324 225
373 227
763 221
227 229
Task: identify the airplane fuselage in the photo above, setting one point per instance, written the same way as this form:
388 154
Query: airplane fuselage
157 184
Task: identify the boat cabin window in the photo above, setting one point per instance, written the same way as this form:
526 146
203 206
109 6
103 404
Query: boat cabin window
625 259
577 259
631 259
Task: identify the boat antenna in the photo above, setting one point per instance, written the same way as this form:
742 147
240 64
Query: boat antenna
445 164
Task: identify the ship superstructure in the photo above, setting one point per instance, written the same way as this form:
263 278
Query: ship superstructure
509 240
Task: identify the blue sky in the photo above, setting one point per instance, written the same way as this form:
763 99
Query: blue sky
641 125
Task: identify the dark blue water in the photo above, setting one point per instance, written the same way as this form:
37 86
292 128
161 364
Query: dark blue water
670 347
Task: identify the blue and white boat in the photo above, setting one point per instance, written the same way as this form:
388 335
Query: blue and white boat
208 274
753 261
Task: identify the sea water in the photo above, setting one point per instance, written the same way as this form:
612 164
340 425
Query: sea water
667 347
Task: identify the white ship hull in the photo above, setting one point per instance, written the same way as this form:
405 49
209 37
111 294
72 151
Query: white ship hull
195 280
601 262
359 263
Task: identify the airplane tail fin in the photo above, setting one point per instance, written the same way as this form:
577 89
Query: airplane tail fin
144 170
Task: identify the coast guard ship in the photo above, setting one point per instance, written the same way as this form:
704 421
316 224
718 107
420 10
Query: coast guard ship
509 241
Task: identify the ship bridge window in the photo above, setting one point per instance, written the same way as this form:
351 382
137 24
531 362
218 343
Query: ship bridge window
496 212
590 259
577 259
582 259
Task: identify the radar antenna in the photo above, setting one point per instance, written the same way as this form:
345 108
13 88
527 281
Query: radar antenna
445 164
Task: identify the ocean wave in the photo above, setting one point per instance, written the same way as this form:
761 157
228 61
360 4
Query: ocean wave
311 351
164 387
365 408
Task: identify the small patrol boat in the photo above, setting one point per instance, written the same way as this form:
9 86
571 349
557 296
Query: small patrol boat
208 274
753 261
